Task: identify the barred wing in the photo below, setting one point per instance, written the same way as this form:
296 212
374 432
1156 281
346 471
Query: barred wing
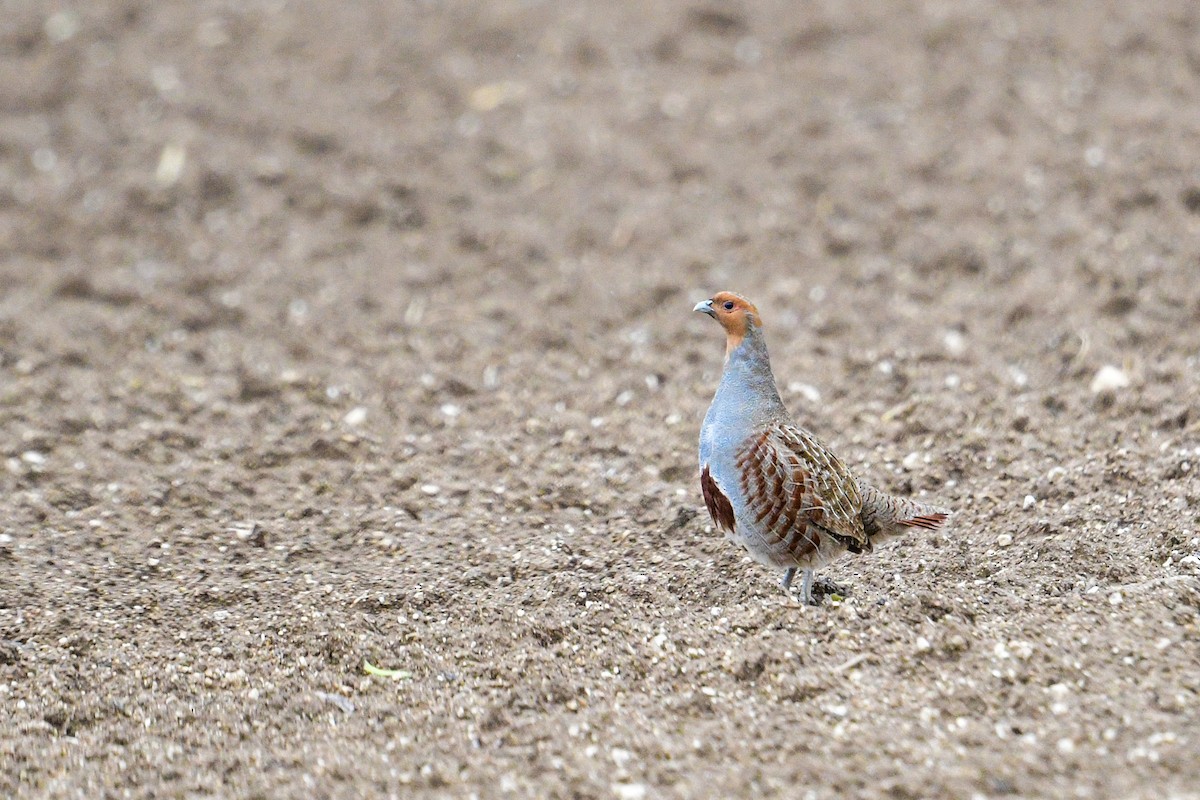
793 485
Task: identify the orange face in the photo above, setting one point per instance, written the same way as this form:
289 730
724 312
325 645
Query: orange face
735 313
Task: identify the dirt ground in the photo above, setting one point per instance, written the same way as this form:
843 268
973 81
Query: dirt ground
335 333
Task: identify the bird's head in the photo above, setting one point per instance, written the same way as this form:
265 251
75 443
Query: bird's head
737 316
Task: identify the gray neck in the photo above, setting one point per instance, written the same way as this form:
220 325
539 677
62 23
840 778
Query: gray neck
747 383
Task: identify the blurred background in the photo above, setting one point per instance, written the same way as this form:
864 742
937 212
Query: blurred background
333 331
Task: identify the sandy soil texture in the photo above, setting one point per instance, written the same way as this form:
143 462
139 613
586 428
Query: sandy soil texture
338 332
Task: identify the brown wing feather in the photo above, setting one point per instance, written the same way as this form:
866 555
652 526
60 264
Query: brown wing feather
719 507
795 488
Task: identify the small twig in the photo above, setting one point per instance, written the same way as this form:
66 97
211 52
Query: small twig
852 663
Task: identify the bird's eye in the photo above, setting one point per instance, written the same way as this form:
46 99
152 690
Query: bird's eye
729 305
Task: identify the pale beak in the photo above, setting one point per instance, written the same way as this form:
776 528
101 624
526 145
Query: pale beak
705 307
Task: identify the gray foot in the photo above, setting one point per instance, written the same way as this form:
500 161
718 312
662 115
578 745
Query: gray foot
788 574
811 589
806 586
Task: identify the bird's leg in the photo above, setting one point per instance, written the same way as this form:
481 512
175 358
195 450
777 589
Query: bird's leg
824 587
788 574
806 588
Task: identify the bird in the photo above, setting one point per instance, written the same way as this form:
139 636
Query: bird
773 487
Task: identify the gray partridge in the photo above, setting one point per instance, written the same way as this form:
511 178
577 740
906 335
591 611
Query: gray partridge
772 486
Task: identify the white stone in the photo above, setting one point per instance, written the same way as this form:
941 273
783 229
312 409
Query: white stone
806 390
620 756
61 26
170 164
1109 379
954 342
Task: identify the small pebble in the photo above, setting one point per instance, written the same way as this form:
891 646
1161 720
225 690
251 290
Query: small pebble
62 26
1109 379
170 165
491 96
1115 599
1029 501
1004 540
629 791
806 390
620 756
954 342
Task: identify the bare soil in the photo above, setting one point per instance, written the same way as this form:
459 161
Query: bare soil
337 332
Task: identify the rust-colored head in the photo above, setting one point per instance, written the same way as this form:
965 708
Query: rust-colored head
735 313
